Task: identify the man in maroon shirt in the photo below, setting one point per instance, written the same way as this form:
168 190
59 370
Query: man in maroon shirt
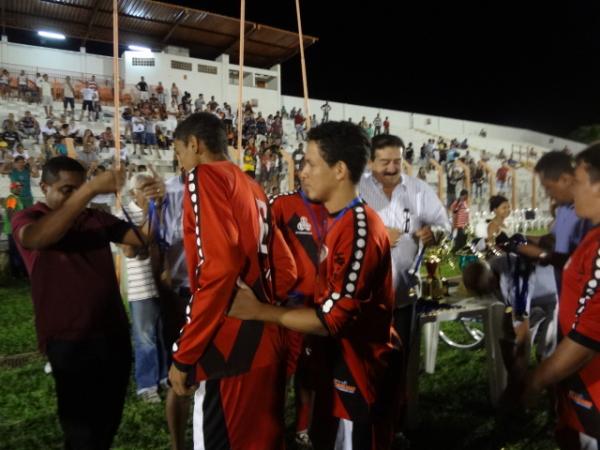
80 321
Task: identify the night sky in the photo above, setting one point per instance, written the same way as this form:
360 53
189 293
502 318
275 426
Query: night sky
535 66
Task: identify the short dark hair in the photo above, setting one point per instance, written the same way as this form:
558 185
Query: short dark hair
590 157
385 140
463 193
553 164
205 127
343 141
19 158
52 168
496 201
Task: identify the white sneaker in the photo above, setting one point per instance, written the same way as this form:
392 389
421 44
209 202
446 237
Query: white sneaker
303 441
150 396
48 368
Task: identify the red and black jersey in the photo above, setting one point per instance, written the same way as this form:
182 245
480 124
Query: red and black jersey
354 299
579 319
229 233
299 220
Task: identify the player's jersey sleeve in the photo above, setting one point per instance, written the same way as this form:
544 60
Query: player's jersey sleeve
586 323
214 262
353 258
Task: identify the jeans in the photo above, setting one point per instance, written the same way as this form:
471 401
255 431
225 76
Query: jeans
148 345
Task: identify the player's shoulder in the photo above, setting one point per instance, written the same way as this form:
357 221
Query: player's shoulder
278 199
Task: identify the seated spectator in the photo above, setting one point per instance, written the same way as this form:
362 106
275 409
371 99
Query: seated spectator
162 139
20 151
29 127
107 138
75 131
88 138
7 121
102 202
11 135
48 130
87 155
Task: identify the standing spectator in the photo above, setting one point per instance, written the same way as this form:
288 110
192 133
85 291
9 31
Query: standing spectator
454 175
127 116
96 105
142 88
502 177
93 83
199 103
138 125
38 87
174 96
88 101
150 134
377 124
12 205
69 96
370 131
23 85
422 175
160 93
410 153
363 123
21 171
299 124
80 321
460 219
386 126
325 108
46 91
142 295
212 105
4 83
478 179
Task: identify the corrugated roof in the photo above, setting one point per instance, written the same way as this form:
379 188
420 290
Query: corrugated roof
156 25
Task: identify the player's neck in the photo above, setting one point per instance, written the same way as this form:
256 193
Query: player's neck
341 197
207 157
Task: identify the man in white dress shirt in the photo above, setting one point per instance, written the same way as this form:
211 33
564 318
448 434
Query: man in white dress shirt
409 207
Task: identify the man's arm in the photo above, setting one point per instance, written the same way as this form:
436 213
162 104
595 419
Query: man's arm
246 306
53 226
569 358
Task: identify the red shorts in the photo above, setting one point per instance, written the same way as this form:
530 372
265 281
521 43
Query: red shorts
244 412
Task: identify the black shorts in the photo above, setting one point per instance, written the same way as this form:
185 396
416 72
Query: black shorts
88 104
68 101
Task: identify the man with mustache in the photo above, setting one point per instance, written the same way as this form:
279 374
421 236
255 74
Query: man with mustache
408 207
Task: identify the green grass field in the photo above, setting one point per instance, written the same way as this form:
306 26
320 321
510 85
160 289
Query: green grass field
454 409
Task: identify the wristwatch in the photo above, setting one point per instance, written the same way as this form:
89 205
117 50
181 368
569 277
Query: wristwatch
543 255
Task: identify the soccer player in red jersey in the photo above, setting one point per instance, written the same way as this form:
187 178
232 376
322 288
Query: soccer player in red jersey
300 221
353 294
575 365
228 234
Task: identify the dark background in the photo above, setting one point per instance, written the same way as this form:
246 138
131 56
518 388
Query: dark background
528 65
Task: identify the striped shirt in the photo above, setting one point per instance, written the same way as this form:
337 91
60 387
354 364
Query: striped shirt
460 213
140 281
413 205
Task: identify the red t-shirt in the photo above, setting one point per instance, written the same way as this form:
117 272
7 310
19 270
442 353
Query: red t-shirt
355 299
229 234
73 282
579 319
502 174
296 218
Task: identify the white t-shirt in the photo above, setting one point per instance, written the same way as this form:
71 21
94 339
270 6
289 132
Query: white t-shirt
69 93
46 89
138 124
22 80
140 281
88 94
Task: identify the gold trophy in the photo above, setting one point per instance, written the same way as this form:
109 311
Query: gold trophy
432 287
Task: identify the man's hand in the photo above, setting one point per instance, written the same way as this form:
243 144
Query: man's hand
178 379
245 305
108 182
530 250
154 189
393 235
425 235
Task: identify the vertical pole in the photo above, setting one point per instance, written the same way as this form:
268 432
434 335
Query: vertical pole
241 80
303 65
